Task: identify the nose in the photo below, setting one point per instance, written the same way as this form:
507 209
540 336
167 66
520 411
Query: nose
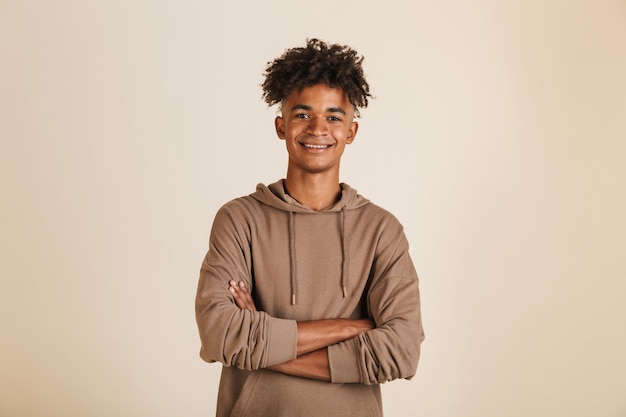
317 126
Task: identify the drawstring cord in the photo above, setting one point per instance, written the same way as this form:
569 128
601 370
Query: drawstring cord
344 252
292 257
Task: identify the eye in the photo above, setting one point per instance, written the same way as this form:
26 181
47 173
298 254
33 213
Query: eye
334 118
301 116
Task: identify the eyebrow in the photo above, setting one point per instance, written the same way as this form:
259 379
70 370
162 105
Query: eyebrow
309 108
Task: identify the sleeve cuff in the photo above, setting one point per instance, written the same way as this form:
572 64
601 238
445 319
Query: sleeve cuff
282 341
343 362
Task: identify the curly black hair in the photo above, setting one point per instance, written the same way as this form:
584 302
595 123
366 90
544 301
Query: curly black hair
337 66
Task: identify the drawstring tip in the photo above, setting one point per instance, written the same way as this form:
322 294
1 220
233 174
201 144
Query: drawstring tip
345 292
293 299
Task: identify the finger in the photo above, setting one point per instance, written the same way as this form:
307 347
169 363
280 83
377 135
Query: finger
240 300
242 297
247 299
243 291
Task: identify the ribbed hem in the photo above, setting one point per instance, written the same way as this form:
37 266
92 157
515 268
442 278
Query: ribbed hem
344 367
282 341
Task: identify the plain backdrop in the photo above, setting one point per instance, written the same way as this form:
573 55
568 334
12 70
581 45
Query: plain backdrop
497 137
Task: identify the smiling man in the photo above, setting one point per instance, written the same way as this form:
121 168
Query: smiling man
317 124
308 295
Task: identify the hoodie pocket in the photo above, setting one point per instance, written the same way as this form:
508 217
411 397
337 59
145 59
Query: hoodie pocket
273 394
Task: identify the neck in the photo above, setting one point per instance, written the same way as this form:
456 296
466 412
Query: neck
316 192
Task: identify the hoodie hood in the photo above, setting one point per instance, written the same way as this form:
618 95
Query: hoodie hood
275 196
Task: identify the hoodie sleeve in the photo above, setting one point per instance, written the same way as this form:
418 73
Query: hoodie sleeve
245 339
392 349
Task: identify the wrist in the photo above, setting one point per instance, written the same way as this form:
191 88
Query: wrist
355 327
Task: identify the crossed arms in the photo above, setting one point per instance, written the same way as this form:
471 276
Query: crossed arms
337 350
313 338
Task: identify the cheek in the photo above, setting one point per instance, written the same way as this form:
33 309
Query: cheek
293 130
344 134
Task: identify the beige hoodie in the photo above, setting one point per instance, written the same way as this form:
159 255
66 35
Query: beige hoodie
348 261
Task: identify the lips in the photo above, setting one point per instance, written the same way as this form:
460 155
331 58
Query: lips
315 146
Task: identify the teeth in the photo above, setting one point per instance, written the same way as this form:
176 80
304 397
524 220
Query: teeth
306 145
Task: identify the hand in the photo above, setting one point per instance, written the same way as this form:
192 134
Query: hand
243 298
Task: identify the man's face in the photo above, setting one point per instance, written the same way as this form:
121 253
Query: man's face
316 125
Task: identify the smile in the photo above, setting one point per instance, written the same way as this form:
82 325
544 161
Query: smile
307 145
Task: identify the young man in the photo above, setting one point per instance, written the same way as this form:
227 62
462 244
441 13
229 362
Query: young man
308 295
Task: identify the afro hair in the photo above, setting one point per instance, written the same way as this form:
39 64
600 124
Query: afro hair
337 66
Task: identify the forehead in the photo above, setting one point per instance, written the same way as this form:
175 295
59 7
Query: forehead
319 95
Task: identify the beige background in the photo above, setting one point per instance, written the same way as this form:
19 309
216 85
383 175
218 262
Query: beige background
498 137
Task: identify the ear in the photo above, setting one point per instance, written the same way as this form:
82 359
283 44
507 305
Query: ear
354 127
279 124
